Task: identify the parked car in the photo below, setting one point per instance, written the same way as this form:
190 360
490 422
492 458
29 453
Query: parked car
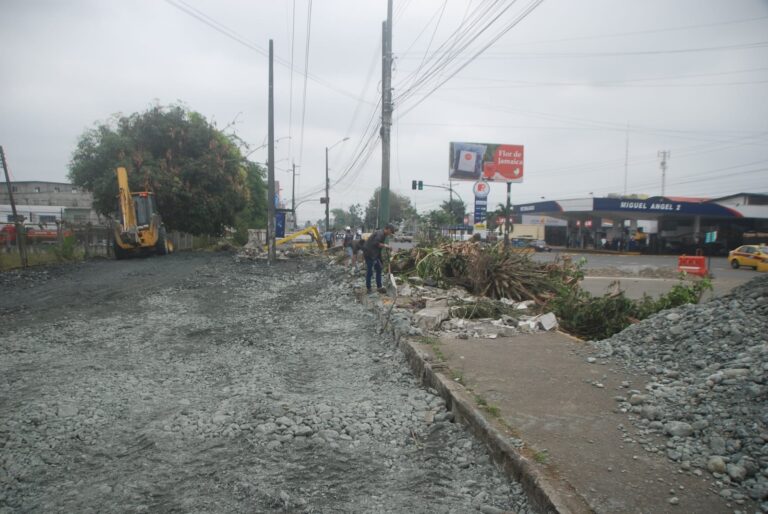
748 255
540 246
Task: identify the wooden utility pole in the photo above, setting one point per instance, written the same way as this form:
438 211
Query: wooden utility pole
21 236
271 164
386 114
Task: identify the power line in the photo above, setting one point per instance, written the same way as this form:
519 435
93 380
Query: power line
231 34
290 87
306 72
569 55
526 11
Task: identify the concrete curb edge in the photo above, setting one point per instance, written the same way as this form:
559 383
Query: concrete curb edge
544 496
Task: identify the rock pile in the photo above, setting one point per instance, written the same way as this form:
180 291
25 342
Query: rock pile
708 387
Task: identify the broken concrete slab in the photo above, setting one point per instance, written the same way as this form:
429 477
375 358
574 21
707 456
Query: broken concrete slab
430 318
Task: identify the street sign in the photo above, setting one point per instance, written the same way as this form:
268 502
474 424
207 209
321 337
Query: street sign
710 237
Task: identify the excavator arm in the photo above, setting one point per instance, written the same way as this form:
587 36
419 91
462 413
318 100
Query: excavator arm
312 231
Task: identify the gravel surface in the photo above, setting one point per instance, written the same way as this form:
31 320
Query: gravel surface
708 392
196 383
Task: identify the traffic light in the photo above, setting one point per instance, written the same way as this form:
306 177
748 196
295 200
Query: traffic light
413 184
421 185
417 184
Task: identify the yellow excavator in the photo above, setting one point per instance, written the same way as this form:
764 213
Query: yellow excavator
138 227
311 231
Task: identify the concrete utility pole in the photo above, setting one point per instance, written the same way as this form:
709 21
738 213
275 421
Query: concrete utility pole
507 215
327 192
271 164
626 161
21 242
664 155
386 114
293 195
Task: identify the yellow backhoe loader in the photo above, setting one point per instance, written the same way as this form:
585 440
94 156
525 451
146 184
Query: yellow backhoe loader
311 231
138 227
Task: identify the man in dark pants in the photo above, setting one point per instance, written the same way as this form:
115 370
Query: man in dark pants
372 253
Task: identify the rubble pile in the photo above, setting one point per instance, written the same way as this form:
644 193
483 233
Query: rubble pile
708 388
428 309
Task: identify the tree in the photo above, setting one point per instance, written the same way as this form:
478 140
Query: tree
349 218
197 173
254 215
400 209
455 209
496 218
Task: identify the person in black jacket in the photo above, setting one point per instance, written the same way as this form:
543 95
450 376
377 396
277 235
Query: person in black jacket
372 253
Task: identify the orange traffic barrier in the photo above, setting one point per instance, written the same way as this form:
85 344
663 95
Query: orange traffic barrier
695 265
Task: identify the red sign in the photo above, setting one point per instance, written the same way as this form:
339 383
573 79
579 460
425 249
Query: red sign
485 161
506 166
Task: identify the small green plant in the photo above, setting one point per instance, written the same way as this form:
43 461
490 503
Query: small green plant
457 376
65 251
493 411
541 456
434 343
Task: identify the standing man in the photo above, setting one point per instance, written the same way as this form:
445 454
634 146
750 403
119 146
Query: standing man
328 236
372 253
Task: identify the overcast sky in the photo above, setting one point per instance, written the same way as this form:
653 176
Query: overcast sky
571 81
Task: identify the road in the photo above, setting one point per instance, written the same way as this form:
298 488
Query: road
194 382
646 274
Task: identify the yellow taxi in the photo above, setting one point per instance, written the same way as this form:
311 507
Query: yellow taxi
749 255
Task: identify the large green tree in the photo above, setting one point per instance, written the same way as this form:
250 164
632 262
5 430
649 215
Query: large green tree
455 209
400 209
353 217
197 172
254 215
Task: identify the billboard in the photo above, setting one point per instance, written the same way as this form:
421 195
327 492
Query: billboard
485 161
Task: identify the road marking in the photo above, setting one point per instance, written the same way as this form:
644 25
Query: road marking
629 278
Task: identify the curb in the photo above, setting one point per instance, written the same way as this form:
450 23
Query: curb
545 494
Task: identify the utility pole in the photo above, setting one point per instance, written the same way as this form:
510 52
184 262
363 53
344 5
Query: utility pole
626 160
293 195
664 155
386 114
507 215
20 234
327 198
450 199
271 164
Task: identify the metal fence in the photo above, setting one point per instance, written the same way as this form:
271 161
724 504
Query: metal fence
87 241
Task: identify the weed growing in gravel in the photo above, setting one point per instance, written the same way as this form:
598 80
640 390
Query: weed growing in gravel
434 343
541 456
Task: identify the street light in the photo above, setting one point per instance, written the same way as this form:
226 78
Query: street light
328 184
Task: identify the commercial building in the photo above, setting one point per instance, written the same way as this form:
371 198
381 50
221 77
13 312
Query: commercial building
660 224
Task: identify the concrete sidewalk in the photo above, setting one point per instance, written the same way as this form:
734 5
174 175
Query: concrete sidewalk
541 389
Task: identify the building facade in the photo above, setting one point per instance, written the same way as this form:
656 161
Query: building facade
38 198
